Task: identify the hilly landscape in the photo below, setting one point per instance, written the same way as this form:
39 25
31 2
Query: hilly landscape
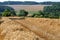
29 20
29 29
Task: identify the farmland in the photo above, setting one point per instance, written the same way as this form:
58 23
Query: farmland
28 7
29 28
44 24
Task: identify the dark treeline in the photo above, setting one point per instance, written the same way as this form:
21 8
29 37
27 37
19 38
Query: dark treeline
27 3
18 3
52 11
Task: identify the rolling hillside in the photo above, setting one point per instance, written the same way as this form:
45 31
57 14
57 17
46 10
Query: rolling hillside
30 29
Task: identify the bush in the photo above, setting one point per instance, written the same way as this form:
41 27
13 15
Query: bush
38 14
8 12
32 15
23 13
35 15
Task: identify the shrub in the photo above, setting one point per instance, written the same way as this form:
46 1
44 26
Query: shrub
23 13
32 15
41 13
35 15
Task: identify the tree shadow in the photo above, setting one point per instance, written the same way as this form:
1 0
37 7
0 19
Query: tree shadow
22 18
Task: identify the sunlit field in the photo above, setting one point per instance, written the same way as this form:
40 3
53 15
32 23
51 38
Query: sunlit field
32 28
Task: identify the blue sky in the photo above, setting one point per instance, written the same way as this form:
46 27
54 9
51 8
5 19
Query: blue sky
32 0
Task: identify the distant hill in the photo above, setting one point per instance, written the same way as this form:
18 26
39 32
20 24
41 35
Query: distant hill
18 3
27 3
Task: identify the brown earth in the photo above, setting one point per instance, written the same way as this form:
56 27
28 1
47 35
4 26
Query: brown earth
30 29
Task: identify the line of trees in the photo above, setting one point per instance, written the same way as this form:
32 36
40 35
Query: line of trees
8 12
48 12
52 11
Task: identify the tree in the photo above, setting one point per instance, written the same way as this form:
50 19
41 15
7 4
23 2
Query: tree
8 12
23 13
52 11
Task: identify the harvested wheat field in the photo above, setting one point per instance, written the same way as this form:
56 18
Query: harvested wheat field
15 28
28 7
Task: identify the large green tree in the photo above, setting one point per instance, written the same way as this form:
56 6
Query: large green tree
52 11
8 12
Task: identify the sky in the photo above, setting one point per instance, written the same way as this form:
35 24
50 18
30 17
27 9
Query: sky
32 0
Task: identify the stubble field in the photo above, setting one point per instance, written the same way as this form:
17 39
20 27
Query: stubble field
28 7
29 29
